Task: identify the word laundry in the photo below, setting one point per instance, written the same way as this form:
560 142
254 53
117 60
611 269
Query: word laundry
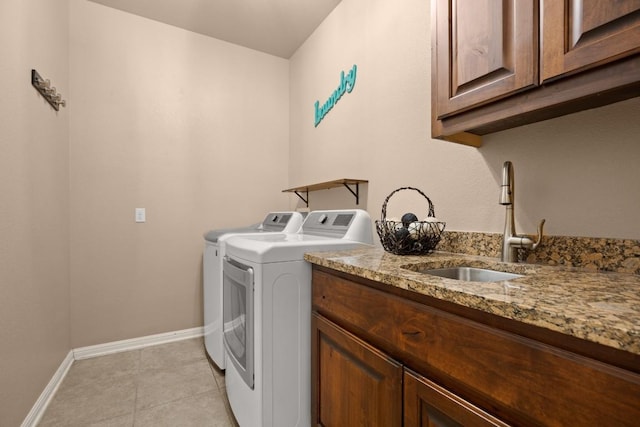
347 82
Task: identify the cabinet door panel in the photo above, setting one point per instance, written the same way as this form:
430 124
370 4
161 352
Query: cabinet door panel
426 404
484 50
353 383
581 34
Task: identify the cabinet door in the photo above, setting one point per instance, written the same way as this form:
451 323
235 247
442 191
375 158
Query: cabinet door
483 50
353 384
426 404
580 34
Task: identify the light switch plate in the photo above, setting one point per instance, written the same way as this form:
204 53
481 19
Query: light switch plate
141 215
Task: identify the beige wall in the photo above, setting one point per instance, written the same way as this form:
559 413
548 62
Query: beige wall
580 172
34 199
193 129
205 134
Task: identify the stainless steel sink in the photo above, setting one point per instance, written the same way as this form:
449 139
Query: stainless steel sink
472 274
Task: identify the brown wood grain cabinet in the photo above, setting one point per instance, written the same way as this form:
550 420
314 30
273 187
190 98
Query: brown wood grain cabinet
428 404
357 385
583 34
498 64
496 51
382 356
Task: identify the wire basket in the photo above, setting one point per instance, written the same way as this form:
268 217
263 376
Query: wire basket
414 238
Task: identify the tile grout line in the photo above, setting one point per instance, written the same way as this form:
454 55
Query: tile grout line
159 369
223 394
135 399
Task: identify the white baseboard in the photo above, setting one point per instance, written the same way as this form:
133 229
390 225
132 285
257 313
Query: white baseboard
34 416
37 411
136 343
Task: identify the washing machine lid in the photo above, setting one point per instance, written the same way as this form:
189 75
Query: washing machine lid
214 235
321 231
288 222
282 247
352 224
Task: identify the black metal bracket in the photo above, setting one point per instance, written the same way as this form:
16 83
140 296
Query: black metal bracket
306 201
355 193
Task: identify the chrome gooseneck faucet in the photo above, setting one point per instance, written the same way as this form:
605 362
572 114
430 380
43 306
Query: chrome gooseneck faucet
510 240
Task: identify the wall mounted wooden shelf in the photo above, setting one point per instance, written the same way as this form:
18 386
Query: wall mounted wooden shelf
344 182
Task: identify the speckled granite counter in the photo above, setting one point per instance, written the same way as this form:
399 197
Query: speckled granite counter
599 307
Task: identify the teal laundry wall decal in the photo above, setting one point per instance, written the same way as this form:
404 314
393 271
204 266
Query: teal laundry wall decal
347 82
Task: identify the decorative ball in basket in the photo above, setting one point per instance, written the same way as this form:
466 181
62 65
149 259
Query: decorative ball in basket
409 236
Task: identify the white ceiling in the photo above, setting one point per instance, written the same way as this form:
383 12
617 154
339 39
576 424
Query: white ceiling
277 27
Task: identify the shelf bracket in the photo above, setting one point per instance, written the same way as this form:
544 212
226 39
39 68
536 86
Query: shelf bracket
306 201
356 193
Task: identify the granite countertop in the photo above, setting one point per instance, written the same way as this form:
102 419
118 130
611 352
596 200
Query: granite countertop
599 307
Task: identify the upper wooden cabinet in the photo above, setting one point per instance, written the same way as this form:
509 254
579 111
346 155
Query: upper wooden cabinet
489 50
498 64
580 34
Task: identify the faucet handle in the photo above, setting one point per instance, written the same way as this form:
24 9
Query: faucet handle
539 239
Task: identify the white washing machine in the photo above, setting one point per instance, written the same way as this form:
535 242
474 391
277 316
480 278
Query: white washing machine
267 316
214 251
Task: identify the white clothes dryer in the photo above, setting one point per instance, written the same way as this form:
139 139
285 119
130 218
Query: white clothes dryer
214 249
267 316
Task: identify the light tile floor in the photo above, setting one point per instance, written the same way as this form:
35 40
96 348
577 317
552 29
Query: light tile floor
166 385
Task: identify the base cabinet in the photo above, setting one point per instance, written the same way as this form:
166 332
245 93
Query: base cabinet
354 384
383 356
428 404
357 385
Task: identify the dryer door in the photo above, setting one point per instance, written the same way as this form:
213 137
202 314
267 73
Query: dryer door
238 316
